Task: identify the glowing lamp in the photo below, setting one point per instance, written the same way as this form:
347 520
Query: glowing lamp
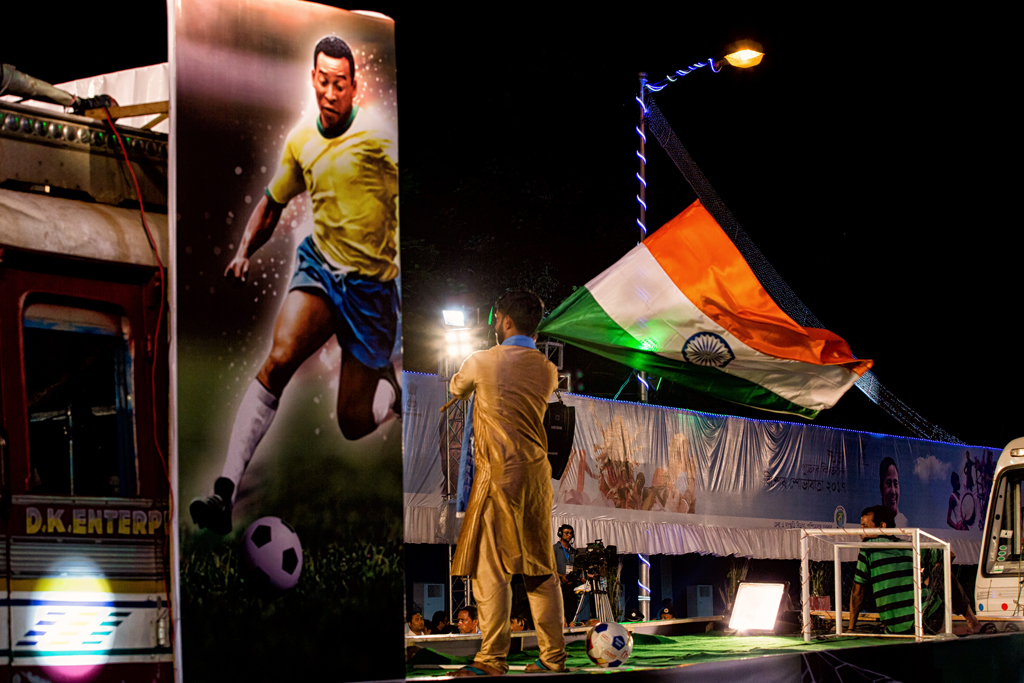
744 54
756 607
454 318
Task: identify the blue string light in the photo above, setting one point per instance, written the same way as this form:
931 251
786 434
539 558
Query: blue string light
640 221
672 78
641 379
643 597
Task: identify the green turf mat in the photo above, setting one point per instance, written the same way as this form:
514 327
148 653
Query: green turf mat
650 651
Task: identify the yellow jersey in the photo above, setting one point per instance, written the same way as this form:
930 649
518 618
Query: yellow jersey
352 180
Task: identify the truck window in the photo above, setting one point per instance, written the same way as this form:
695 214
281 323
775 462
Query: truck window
79 399
1003 543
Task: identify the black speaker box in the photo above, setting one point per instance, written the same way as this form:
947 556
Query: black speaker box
560 425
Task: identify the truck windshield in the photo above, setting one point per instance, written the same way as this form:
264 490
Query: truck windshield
79 399
1003 541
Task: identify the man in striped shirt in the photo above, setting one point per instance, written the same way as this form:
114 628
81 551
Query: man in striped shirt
890 575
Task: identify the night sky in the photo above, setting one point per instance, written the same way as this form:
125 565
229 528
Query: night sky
869 157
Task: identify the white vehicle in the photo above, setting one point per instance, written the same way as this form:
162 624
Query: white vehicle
999 589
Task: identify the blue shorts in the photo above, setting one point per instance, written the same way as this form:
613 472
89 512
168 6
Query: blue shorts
365 310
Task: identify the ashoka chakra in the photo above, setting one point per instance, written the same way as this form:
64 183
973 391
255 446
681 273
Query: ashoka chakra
707 348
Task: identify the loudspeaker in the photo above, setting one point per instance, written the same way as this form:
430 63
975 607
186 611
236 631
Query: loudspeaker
560 425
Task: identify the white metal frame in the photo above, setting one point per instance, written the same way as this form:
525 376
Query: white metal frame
915 544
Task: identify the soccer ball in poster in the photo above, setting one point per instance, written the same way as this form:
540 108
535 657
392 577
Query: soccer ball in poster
609 644
271 555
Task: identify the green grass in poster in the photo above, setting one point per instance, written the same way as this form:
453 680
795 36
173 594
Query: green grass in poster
344 501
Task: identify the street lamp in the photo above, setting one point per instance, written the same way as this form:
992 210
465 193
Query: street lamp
742 54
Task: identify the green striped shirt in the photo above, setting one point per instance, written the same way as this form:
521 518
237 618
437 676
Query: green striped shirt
889 573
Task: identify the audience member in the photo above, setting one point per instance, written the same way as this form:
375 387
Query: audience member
416 626
440 623
521 618
469 620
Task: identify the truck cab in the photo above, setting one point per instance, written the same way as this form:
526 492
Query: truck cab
999 589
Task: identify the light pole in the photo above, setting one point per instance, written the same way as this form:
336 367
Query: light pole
742 54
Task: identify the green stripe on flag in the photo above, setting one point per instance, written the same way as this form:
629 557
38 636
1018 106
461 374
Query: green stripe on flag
589 327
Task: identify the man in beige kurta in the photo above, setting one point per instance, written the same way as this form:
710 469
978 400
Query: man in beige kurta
507 526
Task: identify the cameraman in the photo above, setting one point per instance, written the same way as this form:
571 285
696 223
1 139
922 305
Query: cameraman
565 559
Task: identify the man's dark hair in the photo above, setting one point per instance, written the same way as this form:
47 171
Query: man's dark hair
333 46
471 610
524 308
521 610
880 514
883 467
564 527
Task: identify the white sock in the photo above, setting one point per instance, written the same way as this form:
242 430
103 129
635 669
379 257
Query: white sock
252 421
383 399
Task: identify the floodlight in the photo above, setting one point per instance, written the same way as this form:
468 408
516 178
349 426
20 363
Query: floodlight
454 318
756 606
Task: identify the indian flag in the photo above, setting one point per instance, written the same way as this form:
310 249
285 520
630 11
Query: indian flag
684 305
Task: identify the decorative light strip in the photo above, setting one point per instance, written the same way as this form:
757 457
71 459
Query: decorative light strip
672 78
642 597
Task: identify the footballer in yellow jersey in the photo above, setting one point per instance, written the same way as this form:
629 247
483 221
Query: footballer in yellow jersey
352 179
345 272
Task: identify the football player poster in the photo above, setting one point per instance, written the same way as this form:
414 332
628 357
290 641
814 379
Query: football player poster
288 341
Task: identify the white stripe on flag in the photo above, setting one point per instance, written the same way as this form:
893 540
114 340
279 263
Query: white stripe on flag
641 298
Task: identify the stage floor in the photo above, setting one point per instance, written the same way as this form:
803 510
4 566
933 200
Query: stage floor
717 657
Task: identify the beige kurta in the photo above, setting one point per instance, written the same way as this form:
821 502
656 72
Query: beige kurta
512 385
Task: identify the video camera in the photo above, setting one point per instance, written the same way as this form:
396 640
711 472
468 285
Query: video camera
594 560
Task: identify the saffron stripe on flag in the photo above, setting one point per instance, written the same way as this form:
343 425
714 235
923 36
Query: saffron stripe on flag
640 298
710 271
590 327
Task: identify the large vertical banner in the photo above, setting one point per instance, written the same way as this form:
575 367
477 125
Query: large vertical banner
289 340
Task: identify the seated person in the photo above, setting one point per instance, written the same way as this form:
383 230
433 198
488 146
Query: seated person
416 626
440 623
521 618
468 620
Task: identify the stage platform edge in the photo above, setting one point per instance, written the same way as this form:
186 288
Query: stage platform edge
998 657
